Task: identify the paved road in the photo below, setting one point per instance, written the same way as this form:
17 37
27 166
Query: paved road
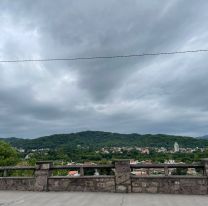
100 199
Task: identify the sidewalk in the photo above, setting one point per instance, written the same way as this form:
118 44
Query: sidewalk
10 198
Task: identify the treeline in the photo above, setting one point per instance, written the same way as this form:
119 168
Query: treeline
10 156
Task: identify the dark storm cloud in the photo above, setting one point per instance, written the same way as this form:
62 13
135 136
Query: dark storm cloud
166 94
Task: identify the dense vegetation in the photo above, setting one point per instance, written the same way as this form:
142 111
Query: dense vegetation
8 155
85 155
95 140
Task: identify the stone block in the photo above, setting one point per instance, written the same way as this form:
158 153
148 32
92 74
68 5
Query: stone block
137 189
156 184
144 184
121 188
152 189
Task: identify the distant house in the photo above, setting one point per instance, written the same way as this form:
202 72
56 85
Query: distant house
191 171
133 162
73 173
145 151
139 172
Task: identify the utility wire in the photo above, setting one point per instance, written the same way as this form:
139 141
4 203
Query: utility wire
103 57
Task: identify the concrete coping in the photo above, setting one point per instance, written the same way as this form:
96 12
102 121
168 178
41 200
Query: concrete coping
82 177
14 177
169 177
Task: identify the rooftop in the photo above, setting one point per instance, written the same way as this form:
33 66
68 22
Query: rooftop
10 198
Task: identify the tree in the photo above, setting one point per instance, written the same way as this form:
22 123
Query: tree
8 155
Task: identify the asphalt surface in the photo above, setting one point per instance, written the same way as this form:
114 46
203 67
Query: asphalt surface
9 198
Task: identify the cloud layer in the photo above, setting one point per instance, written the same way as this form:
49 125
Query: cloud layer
163 94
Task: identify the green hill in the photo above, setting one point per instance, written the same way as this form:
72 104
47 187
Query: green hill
97 139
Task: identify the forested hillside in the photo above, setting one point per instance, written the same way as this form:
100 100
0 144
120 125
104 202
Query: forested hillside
96 139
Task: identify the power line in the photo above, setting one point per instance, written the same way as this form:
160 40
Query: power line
103 57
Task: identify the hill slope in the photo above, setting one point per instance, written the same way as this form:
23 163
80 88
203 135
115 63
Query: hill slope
95 139
203 137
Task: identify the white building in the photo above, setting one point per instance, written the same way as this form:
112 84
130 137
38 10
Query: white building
176 147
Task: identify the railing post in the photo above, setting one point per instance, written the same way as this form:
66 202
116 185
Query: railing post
166 170
5 173
42 173
205 163
123 176
81 171
148 171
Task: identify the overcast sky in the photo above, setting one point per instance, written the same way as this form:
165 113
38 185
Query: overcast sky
160 94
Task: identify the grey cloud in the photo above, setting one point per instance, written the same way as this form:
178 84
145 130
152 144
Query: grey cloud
149 95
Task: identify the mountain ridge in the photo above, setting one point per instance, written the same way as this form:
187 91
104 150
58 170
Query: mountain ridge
98 139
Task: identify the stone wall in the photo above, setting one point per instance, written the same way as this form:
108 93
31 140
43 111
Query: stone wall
170 185
17 183
83 184
122 181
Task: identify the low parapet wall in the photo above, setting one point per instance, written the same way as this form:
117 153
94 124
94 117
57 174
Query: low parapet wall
170 185
82 184
121 181
17 183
